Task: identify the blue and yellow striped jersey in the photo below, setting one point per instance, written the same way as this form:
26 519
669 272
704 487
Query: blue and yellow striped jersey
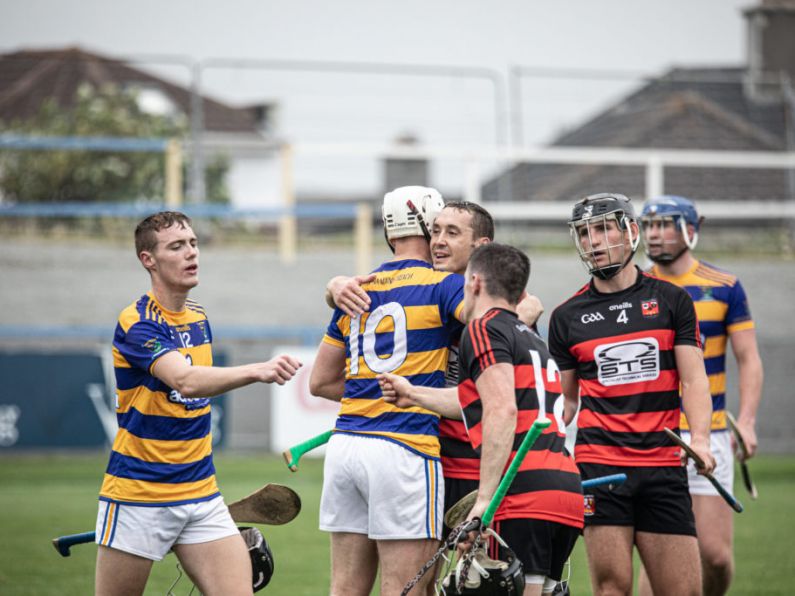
162 454
722 309
414 313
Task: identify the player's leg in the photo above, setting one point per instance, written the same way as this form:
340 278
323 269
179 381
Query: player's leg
715 527
212 551
406 498
119 573
714 518
671 562
666 532
354 563
344 511
219 567
609 551
400 562
609 528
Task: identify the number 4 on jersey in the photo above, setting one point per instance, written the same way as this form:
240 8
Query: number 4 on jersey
622 317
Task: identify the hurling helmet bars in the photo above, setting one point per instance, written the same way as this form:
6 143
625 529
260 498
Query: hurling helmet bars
589 225
677 211
410 211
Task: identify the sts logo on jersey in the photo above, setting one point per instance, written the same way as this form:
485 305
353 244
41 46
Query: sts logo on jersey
628 361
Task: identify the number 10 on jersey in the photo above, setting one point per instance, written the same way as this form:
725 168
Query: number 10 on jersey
367 338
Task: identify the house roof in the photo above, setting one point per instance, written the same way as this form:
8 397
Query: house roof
29 77
685 109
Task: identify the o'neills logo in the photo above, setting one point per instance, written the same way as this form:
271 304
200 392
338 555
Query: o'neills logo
628 361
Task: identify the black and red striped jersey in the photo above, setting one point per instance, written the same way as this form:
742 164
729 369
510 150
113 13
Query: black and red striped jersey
547 485
621 346
459 459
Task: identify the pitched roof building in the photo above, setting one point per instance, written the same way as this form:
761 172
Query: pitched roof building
29 77
739 109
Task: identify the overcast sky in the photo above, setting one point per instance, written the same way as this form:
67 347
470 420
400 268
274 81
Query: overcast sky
644 36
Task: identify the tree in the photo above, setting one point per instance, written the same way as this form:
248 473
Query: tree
81 175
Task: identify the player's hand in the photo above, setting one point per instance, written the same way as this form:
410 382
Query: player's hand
396 390
701 448
748 433
348 295
529 309
466 543
278 370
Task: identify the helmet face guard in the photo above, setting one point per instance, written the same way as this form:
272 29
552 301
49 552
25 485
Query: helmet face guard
262 565
593 219
487 576
671 212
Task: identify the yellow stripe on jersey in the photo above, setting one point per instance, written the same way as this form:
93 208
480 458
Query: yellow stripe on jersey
375 407
333 342
715 346
154 403
416 363
718 421
167 452
400 278
142 491
717 383
711 311
741 326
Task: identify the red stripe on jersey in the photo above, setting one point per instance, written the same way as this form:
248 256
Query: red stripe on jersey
453 429
467 393
476 435
637 422
460 467
483 344
524 378
558 506
545 460
667 381
584 351
626 456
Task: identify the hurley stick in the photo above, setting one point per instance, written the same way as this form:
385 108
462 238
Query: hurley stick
293 454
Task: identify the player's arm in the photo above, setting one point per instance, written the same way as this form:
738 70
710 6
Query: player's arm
529 309
347 294
696 399
571 394
495 385
208 381
398 391
751 376
328 372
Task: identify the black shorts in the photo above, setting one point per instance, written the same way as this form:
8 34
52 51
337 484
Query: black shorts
653 499
542 546
455 489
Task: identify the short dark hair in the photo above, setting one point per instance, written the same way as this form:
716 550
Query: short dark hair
145 238
482 222
505 270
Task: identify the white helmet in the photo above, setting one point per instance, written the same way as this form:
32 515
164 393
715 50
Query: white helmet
410 211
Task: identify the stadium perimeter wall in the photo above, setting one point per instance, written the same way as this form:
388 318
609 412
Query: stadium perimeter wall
50 284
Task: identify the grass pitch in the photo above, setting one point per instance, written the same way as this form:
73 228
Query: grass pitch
43 496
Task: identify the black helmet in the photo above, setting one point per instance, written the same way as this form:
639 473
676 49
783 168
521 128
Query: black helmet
261 557
488 577
596 210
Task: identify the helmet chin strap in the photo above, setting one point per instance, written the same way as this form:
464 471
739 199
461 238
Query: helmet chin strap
666 257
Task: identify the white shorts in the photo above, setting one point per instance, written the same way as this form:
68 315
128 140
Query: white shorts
150 532
720 443
376 487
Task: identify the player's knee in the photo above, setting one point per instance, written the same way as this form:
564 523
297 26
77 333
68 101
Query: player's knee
612 586
718 560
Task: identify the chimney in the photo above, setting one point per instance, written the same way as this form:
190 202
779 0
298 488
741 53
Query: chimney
771 48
